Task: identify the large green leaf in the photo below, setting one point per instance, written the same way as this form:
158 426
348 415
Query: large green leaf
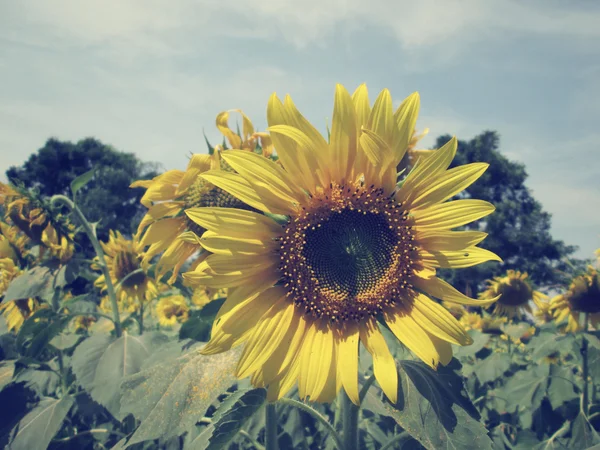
7 368
434 408
561 386
38 427
526 388
479 341
547 343
36 282
169 398
492 367
199 325
229 419
38 330
101 362
583 434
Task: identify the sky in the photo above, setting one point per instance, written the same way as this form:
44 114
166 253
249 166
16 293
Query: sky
149 78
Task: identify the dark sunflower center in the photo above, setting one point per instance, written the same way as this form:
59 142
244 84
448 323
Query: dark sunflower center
348 254
351 251
126 263
515 293
585 295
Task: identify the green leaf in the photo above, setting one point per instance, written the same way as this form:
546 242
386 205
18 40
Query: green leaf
583 434
169 398
38 427
433 407
37 331
101 362
81 181
516 330
561 386
229 419
526 388
66 274
492 367
195 328
7 369
592 340
36 282
479 341
546 343
65 341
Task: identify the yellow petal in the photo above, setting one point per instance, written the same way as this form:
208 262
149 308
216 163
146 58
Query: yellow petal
453 214
425 171
438 288
266 337
224 271
436 320
240 188
453 259
291 152
443 348
447 185
412 336
360 98
381 119
227 245
235 222
263 174
343 138
315 360
287 351
347 344
406 119
280 387
384 366
437 240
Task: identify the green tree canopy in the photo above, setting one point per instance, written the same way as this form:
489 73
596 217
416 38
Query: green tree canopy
519 229
107 198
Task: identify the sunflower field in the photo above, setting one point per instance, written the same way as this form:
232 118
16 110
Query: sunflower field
288 290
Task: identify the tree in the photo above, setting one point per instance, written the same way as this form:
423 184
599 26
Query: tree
519 229
107 198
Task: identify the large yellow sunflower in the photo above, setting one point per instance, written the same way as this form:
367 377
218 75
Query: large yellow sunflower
515 291
583 296
348 247
165 228
123 258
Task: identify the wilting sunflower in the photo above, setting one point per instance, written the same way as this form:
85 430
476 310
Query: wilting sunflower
31 215
172 309
13 244
165 228
543 314
515 291
124 260
583 296
348 246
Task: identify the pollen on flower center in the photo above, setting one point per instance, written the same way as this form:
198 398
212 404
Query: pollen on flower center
348 254
515 293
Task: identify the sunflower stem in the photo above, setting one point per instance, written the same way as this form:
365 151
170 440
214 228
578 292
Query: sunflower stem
584 354
349 422
141 319
91 233
271 427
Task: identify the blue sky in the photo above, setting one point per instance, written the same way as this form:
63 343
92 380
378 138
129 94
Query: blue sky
148 78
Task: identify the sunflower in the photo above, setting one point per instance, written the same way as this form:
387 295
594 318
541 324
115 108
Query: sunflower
171 310
165 228
339 246
13 244
583 296
543 314
131 281
472 321
15 312
32 216
515 291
